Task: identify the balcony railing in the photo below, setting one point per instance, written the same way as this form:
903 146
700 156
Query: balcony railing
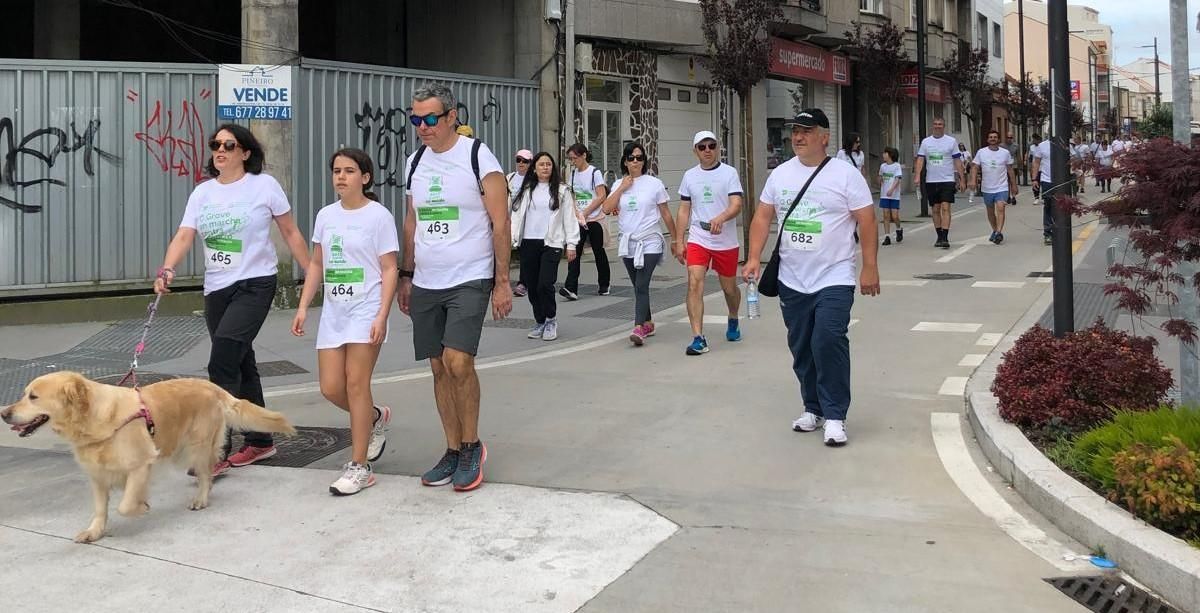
808 5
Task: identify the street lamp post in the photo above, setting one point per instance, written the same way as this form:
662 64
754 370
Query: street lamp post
1060 178
921 96
1024 85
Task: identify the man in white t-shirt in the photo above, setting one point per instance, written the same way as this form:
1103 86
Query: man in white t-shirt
454 265
711 199
816 266
942 163
995 164
1040 170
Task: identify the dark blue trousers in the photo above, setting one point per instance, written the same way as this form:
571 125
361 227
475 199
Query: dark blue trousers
816 334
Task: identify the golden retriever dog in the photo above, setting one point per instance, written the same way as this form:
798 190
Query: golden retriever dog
113 443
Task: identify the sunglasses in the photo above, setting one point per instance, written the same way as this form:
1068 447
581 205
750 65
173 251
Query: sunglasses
708 146
522 161
429 120
229 145
635 158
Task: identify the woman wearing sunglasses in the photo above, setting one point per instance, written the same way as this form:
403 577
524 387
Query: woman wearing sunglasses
641 200
232 215
543 223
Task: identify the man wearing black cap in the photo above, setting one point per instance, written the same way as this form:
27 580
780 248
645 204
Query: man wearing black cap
817 266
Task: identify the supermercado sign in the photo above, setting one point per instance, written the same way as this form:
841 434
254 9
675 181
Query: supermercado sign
802 61
249 91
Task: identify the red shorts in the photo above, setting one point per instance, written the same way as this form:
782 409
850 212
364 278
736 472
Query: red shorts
724 262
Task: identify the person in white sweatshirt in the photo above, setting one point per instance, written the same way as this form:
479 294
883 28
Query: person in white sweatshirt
543 224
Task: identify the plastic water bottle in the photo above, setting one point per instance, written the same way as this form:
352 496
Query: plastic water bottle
752 300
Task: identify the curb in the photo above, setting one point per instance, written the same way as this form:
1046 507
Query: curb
1165 564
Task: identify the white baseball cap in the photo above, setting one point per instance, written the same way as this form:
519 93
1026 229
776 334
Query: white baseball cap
703 135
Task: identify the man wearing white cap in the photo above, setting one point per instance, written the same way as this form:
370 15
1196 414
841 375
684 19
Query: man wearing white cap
713 192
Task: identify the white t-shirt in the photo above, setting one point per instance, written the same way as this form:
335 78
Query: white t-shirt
856 158
994 167
1117 146
234 224
890 173
584 184
538 213
817 250
514 182
708 191
638 215
1104 156
939 154
454 232
352 242
1042 152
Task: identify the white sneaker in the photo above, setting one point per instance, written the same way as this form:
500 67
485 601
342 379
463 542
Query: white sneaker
356 478
536 331
550 329
807 422
835 433
379 433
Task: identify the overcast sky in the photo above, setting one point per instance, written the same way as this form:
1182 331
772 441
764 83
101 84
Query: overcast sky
1137 22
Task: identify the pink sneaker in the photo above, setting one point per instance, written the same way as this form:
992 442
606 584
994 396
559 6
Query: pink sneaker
649 328
219 468
248 455
638 336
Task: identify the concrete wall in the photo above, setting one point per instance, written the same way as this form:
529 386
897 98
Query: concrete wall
464 36
659 22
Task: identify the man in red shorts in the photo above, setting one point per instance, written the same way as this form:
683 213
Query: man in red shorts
711 198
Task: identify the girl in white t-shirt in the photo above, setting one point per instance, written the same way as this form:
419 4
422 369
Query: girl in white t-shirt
890 176
641 200
354 258
232 214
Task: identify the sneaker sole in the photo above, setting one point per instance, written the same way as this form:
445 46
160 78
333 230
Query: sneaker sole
796 428
570 297
636 340
372 458
550 338
479 479
733 339
269 454
691 351
437 483
336 492
832 443
534 337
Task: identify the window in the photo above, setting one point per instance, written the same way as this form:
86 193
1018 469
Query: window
684 95
982 31
871 6
996 38
664 93
701 97
601 90
935 11
912 13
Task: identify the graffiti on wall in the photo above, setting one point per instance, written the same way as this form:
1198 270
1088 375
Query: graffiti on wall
175 140
384 134
28 162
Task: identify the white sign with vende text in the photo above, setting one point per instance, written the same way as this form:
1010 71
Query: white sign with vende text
250 91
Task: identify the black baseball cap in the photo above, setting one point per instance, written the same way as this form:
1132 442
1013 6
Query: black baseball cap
809 118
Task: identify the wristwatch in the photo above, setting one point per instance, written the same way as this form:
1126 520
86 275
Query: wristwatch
406 273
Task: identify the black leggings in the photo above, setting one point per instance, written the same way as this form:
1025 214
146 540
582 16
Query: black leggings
641 285
539 272
593 234
234 316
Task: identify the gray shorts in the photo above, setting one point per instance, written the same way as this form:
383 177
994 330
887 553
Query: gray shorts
451 317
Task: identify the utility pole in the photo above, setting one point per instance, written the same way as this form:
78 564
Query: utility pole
921 127
566 136
1024 85
1157 89
1181 118
1060 177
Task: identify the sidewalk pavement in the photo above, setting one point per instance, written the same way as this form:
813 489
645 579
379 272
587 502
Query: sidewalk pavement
620 478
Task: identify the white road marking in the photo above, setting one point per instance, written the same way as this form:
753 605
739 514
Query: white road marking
905 283
1045 280
956 459
972 359
999 284
989 339
941 326
953 386
957 252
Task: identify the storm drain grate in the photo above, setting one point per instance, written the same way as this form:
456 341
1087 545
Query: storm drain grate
1110 595
279 368
510 322
308 446
942 276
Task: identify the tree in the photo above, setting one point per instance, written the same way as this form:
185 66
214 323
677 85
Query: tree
1157 123
1077 120
881 60
1033 108
966 75
1160 204
739 50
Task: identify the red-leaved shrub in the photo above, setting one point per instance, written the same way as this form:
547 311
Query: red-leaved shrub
1075 382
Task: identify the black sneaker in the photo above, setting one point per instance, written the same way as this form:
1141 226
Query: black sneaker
568 294
444 471
899 235
470 466
604 291
887 240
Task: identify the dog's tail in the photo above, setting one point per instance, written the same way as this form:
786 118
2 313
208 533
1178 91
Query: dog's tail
245 415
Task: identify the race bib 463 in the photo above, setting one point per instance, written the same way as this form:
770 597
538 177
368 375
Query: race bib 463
437 223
